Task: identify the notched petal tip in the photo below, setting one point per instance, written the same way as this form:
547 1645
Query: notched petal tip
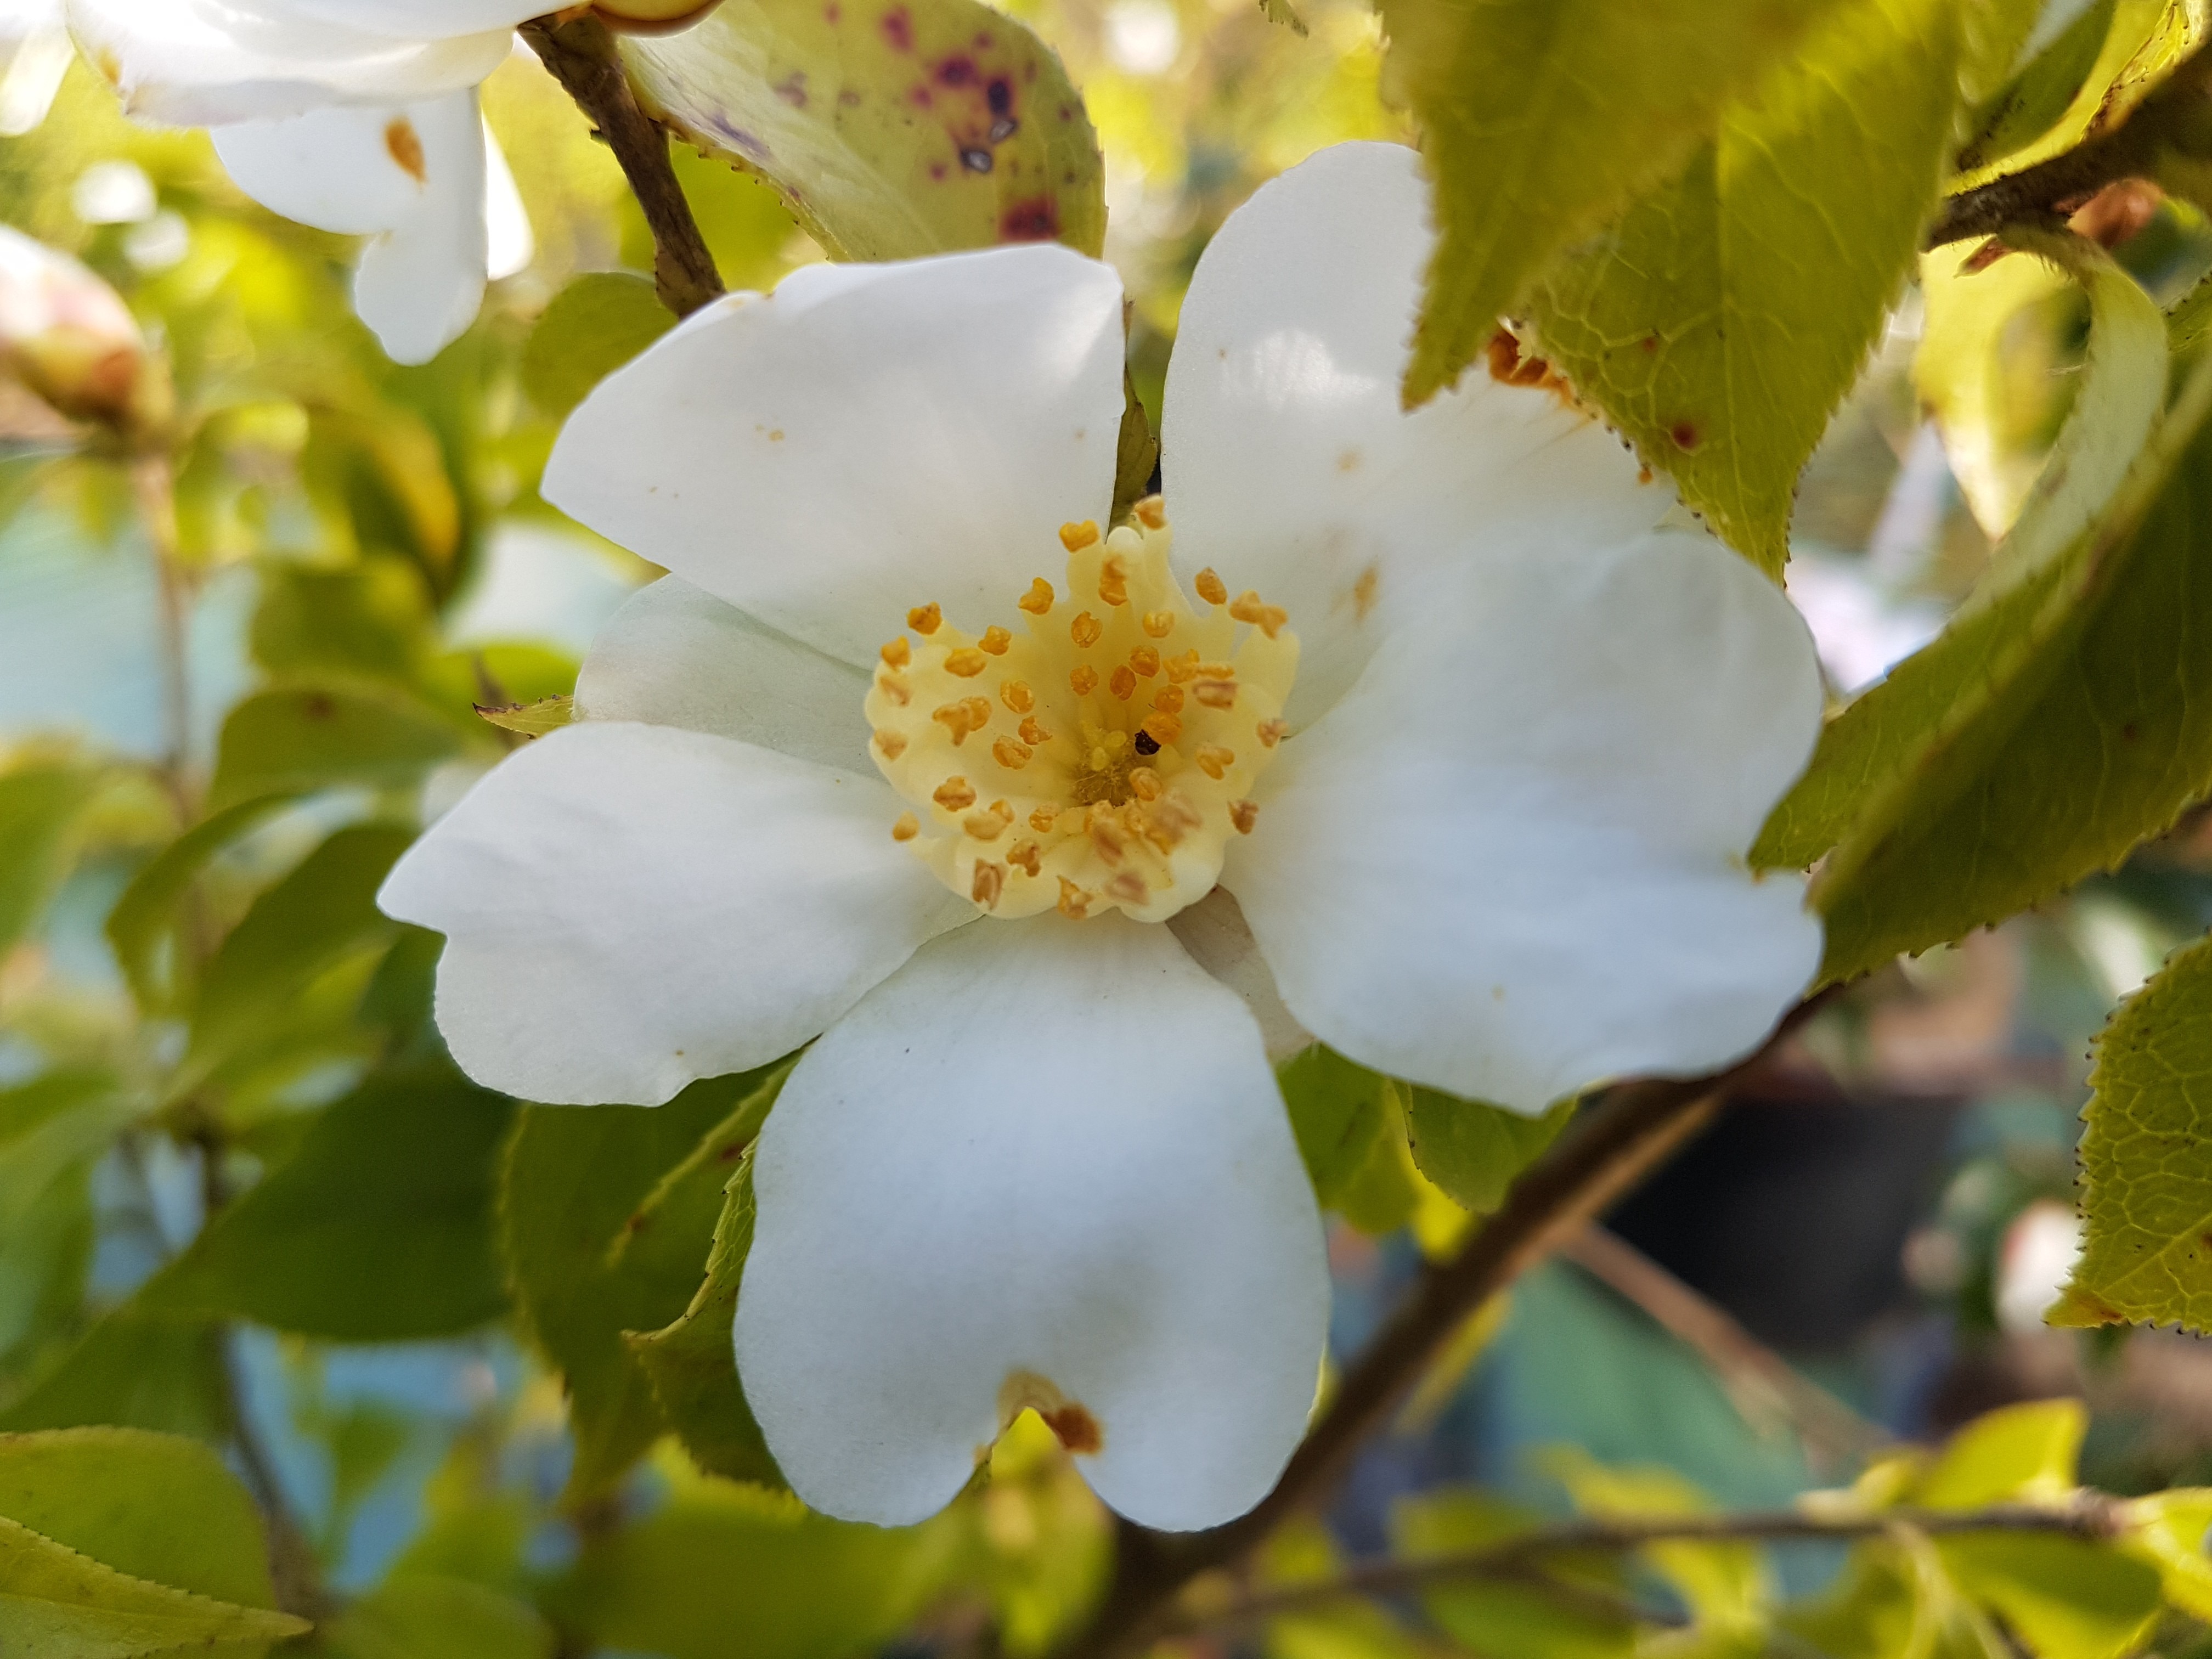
1070 1420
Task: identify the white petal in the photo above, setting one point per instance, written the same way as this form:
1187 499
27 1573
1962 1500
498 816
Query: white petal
35 66
420 284
420 20
1043 1146
202 63
1220 940
1508 862
338 169
867 439
676 656
629 908
506 221
1290 465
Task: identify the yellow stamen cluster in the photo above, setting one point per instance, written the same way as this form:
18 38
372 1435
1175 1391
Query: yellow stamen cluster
1101 756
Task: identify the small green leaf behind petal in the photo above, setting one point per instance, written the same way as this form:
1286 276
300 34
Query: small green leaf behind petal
891 128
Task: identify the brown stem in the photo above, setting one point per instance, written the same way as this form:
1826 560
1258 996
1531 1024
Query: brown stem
2090 1515
1637 1127
1762 1383
153 486
580 54
2043 194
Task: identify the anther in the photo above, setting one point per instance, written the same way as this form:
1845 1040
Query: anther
1159 624
890 745
1123 684
1174 817
1073 901
1032 733
1168 700
1151 512
1213 760
1145 784
898 653
1181 668
1077 537
1272 732
894 687
1017 697
967 663
986 826
1211 587
906 828
996 641
1269 618
1162 727
1113 579
1145 660
1214 670
924 618
1083 679
1011 755
1111 840
1085 630
955 794
1216 693
959 719
1244 814
1038 599
990 882
1026 858
1128 887
1043 818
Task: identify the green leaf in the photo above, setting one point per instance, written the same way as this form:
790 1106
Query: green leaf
1351 1128
574 1177
370 620
52 1131
41 807
419 1617
147 912
2065 1598
379 1229
690 1363
321 914
1497 1618
1722 1583
594 326
2044 735
1875 1610
154 1506
1543 118
2167 1530
136 1370
1720 322
891 128
57 1604
1473 1150
2039 97
2146 1180
531 720
1281 11
721 1558
2024 1454
301 738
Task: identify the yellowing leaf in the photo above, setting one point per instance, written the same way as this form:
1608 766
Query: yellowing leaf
2064 1598
2168 1529
1543 118
1722 320
891 128
531 720
1724 1585
58 1604
2146 1176
2016 1455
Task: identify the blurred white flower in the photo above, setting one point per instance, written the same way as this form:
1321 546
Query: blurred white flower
35 54
1143 37
158 244
113 193
354 116
2034 1262
1479 771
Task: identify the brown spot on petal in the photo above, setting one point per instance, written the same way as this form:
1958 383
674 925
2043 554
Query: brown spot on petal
1077 1429
1070 1420
405 145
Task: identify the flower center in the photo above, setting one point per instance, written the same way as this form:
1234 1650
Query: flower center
1100 758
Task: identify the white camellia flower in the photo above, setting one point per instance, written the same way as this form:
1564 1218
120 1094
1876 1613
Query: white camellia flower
357 117
907 756
35 54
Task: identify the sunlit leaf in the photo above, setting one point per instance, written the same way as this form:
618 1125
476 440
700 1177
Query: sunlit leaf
2065 1598
40 808
57 1604
2022 1454
892 128
594 326
1723 1583
1473 1150
134 1370
302 738
1544 118
2168 1529
379 1229
416 1616
2146 1179
1505 1618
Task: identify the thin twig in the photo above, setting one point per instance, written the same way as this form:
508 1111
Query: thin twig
1760 1382
2043 194
1638 1125
580 54
152 487
2091 1515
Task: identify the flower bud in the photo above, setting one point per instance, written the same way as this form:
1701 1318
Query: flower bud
68 337
651 16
